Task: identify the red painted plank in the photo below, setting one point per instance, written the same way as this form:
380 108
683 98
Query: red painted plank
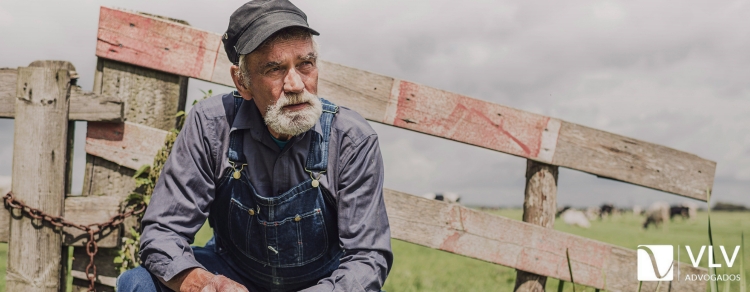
127 144
157 44
171 47
473 121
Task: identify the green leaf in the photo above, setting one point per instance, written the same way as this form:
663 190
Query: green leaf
134 198
743 282
713 283
179 114
144 169
142 181
134 232
570 269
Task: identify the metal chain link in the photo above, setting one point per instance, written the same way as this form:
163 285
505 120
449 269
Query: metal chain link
92 229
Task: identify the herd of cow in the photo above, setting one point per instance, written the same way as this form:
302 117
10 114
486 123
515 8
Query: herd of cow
656 214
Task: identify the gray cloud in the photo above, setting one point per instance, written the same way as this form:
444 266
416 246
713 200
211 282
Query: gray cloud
668 72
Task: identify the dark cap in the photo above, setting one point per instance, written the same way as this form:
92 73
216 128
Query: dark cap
255 21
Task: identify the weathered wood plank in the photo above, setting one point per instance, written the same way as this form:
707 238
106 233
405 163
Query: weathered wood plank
535 249
157 44
423 109
84 106
126 144
539 208
106 270
460 230
39 151
152 99
8 77
87 106
630 160
90 210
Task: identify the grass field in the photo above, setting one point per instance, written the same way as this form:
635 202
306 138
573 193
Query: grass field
417 268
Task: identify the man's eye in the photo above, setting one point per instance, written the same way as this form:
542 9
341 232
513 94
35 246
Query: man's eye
305 65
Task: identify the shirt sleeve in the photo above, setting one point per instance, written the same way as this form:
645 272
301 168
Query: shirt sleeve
179 205
364 231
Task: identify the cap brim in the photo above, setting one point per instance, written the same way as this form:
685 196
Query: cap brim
265 27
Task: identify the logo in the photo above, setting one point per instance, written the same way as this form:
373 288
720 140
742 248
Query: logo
655 263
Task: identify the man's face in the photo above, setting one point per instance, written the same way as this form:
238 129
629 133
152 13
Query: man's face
283 84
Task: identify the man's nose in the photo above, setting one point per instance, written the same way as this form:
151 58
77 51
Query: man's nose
293 82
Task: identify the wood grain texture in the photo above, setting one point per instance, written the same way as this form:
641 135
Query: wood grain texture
625 159
91 107
8 78
535 249
151 99
39 172
84 106
127 144
423 109
539 208
157 44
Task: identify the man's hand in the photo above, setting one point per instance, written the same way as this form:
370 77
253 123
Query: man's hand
200 280
220 283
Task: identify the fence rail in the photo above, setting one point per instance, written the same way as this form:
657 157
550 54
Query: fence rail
141 80
175 48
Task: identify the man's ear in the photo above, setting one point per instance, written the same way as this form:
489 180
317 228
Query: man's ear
244 91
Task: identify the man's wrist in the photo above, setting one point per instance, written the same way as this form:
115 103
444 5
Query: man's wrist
190 280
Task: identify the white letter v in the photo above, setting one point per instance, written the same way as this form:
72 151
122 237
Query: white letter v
693 259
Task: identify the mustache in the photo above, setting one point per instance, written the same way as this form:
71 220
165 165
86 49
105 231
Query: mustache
295 98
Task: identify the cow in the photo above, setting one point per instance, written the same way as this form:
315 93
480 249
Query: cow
606 209
657 214
592 212
686 210
574 217
447 197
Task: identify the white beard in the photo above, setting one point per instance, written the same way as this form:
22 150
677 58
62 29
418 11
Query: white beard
294 122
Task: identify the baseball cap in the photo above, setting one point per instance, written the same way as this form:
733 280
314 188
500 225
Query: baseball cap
255 21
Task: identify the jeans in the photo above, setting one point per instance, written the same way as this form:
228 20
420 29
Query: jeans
139 279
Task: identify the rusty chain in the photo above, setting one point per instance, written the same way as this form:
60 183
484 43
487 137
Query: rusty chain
91 229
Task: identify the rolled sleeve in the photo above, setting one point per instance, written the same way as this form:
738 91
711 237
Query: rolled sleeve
180 201
364 231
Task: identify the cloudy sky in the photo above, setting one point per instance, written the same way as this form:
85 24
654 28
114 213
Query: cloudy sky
676 73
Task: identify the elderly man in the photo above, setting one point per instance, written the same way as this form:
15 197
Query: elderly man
290 182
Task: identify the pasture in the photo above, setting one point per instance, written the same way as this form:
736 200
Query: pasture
417 268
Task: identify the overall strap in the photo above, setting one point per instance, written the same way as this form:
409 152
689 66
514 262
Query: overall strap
317 157
235 136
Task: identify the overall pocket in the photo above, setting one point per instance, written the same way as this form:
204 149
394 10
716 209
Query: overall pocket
302 238
246 233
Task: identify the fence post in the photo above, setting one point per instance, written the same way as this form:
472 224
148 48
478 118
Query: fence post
151 98
539 207
39 174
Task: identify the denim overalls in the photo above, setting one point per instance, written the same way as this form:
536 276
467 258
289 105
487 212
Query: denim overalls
286 242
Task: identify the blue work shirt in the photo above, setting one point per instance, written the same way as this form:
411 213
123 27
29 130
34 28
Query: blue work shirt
186 189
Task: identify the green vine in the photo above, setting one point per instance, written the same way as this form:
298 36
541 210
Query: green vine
145 180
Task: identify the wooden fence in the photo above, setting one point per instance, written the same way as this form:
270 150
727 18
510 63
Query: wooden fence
144 63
